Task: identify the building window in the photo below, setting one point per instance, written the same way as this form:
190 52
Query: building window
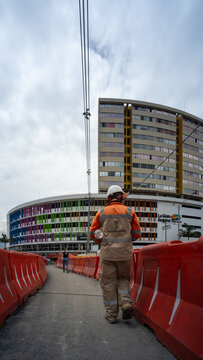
111 173
110 125
111 154
111 135
111 115
142 146
111 144
111 163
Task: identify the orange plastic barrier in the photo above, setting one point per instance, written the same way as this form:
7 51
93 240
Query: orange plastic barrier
79 263
168 295
86 269
19 276
42 271
30 266
98 270
133 271
71 263
91 266
59 263
94 266
8 296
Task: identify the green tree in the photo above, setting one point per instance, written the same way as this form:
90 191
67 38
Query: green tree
189 231
5 240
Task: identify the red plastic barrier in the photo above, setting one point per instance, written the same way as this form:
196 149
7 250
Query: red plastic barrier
45 261
42 269
133 271
168 295
59 263
8 296
30 263
91 266
71 263
79 263
94 266
86 270
98 270
19 275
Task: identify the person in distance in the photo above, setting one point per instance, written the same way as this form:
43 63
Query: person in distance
65 260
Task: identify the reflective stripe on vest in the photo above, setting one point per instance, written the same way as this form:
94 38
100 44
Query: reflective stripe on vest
127 299
136 232
116 240
125 292
102 212
110 303
115 216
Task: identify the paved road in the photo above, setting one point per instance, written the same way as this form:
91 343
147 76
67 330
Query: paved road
65 321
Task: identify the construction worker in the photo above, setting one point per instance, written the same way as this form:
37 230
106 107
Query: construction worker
115 227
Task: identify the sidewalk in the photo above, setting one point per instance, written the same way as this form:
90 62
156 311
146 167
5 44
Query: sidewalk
65 321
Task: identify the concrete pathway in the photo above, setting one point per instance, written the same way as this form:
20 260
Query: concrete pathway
65 321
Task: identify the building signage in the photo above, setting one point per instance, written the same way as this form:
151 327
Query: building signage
164 217
169 218
175 217
82 237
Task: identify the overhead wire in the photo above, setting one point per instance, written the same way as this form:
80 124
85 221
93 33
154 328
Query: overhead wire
84 42
85 60
174 151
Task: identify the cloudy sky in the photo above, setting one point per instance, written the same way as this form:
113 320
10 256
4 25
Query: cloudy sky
149 50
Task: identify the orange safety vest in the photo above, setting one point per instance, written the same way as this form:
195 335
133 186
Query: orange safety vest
120 227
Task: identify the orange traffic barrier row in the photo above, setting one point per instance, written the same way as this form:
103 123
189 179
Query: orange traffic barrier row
166 287
98 270
167 295
94 262
21 275
79 263
71 264
8 296
86 265
133 270
86 270
59 263
91 266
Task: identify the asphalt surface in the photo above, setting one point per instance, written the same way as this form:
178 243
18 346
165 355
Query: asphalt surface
65 321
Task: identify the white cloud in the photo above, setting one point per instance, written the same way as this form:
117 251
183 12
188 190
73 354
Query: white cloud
147 50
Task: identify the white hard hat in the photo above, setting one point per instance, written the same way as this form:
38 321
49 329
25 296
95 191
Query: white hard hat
114 189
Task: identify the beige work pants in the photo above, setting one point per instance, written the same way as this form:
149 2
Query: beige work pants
114 281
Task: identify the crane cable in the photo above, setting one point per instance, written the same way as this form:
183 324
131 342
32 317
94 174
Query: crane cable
84 42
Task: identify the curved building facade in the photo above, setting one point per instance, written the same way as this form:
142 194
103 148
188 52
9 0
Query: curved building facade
152 150
149 147
48 225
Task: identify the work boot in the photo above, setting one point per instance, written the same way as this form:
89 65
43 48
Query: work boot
111 319
127 313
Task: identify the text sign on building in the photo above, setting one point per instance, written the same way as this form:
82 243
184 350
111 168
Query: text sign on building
169 218
82 237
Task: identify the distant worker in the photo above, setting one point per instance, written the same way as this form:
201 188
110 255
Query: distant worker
65 260
115 227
